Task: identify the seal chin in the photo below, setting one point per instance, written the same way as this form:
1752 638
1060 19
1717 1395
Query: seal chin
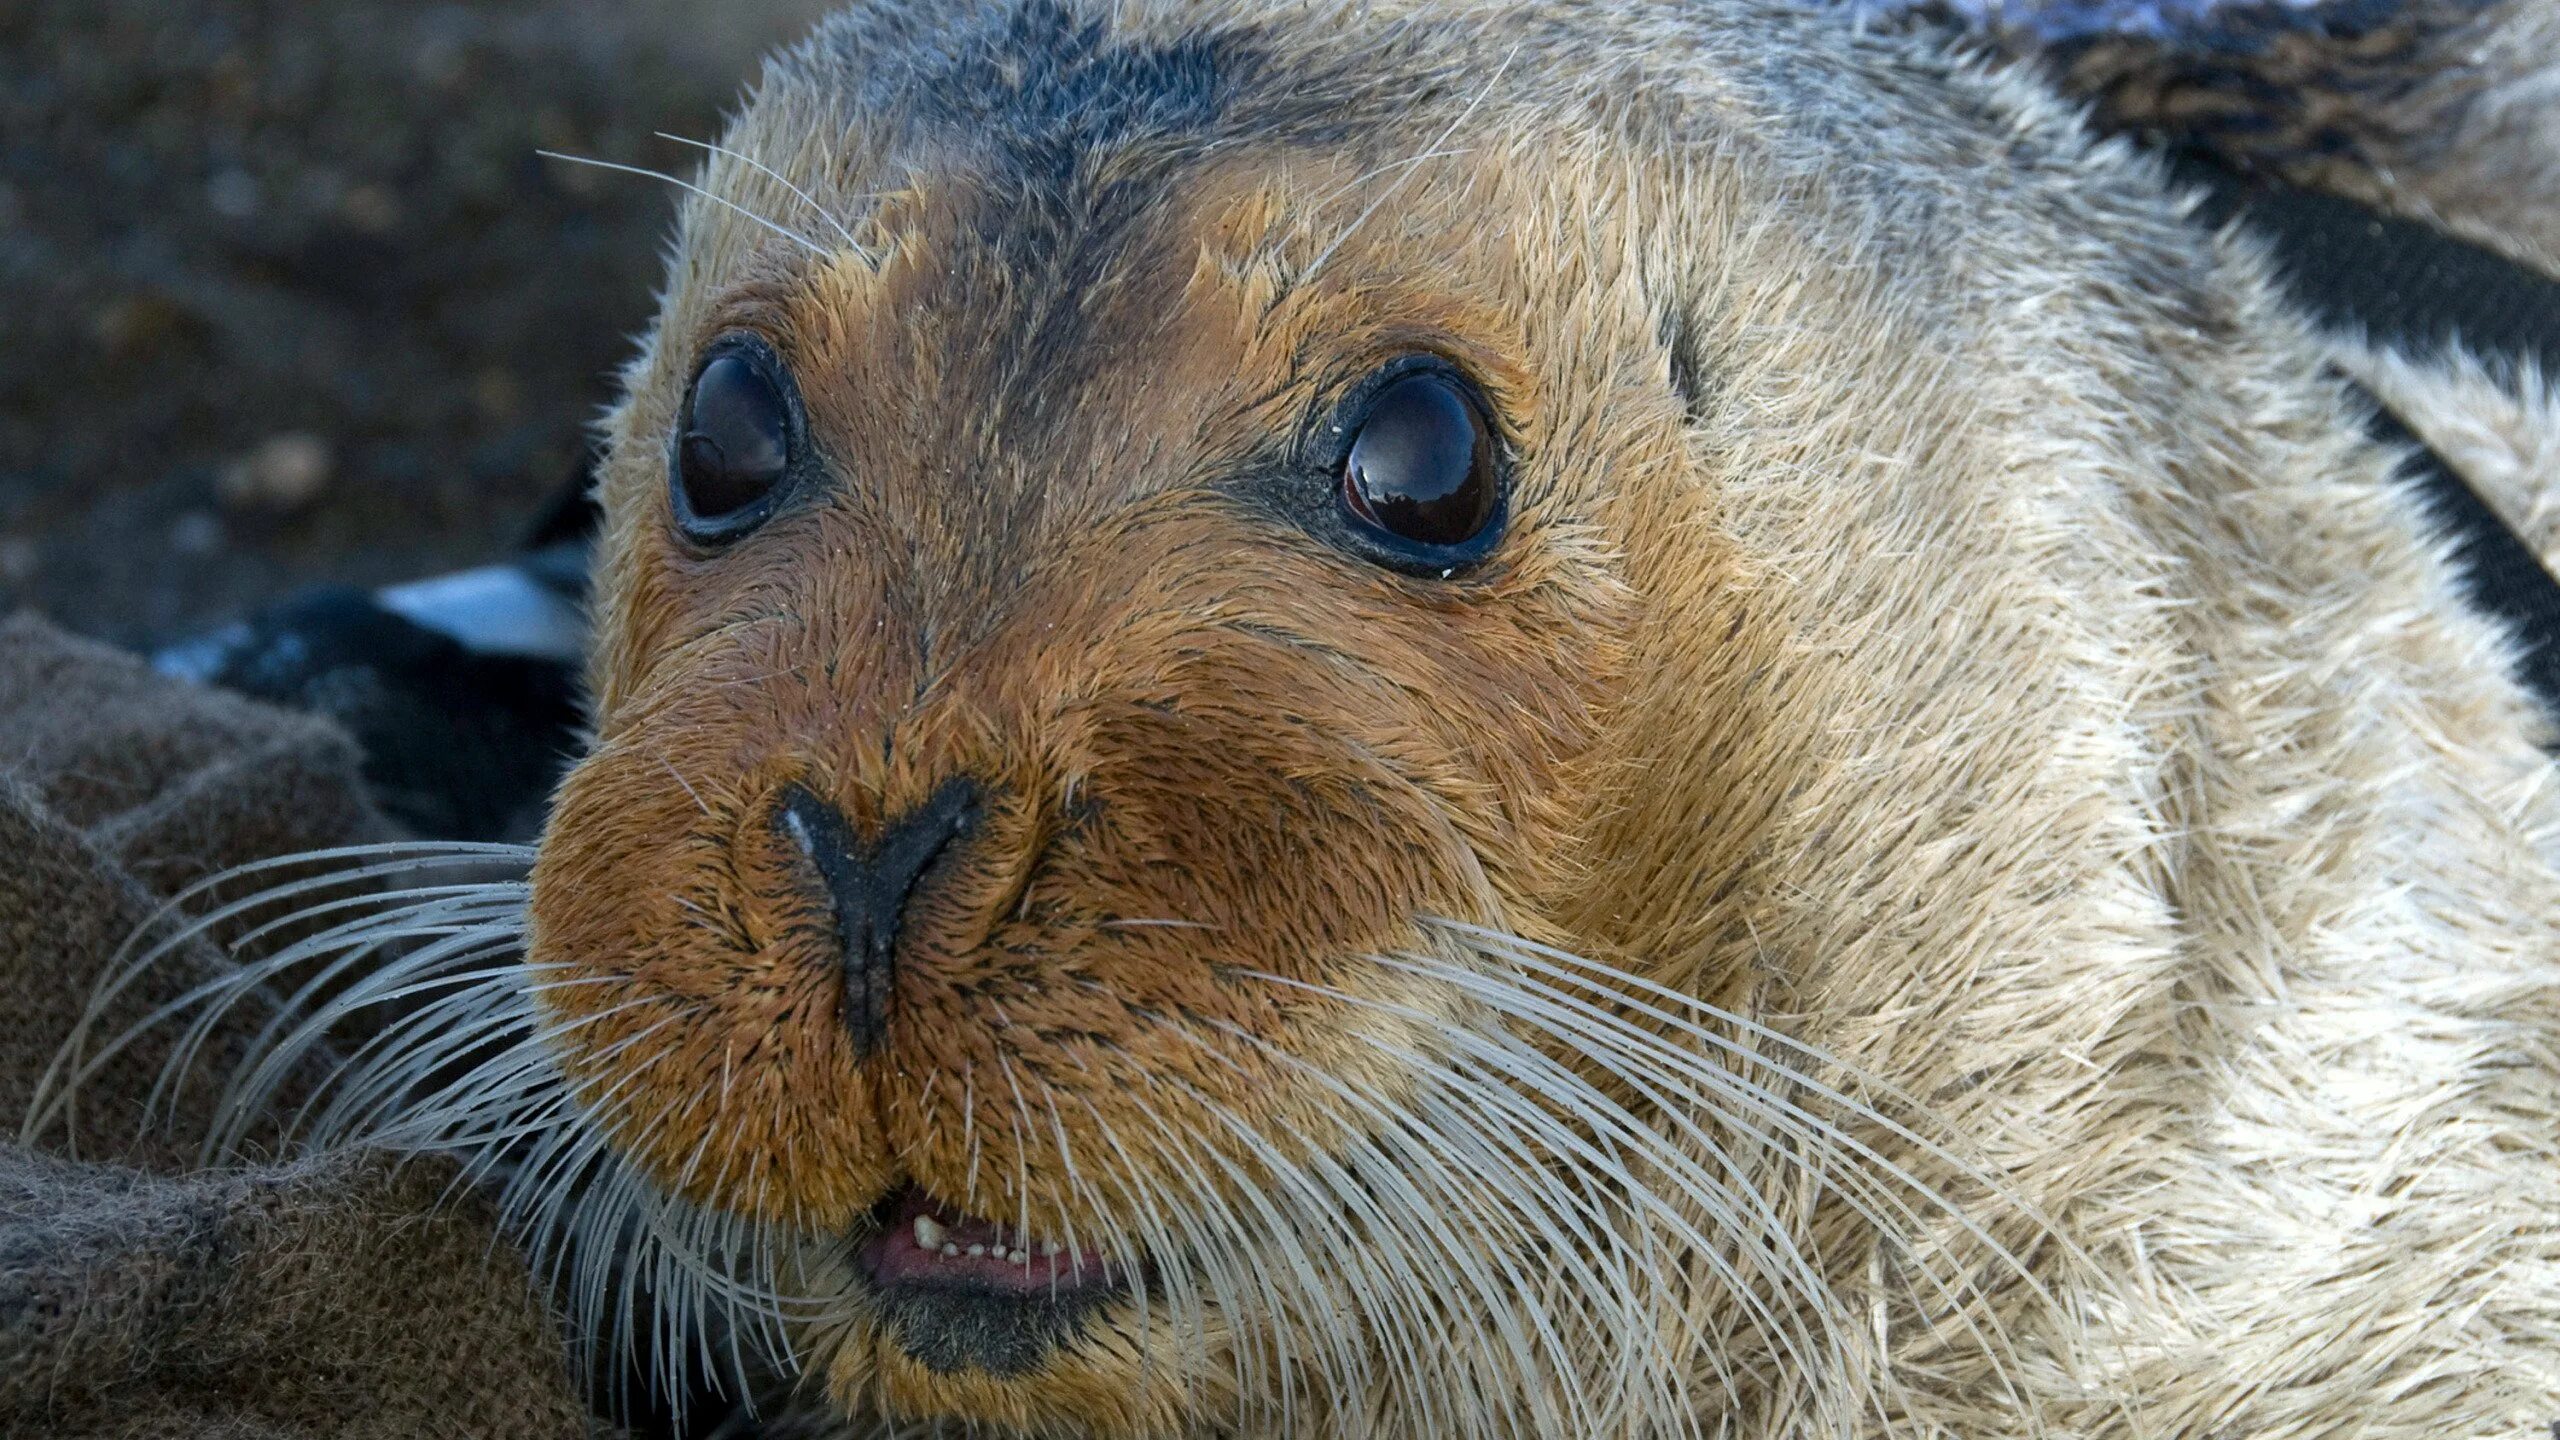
962 1292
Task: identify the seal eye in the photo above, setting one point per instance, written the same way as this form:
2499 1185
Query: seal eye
733 449
1421 464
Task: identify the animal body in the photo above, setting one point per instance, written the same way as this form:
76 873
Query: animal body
1552 719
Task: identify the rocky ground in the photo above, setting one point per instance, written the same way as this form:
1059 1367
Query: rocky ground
286 293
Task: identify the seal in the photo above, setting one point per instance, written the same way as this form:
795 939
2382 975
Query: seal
1545 719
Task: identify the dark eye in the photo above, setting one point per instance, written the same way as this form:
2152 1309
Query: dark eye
1421 467
733 445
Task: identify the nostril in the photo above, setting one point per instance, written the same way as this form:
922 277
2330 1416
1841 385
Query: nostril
870 886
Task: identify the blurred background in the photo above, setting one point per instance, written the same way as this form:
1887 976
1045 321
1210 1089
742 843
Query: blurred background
286 294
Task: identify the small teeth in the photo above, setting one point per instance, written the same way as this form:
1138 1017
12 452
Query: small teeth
933 1237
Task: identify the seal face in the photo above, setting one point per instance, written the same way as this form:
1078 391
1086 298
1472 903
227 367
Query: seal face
1123 639
1345 723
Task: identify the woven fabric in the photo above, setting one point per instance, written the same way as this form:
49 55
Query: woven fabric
141 1295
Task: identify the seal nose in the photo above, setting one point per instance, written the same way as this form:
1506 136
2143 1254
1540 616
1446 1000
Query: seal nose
870 886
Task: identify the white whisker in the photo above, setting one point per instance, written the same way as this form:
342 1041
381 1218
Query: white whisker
1581 1205
785 231
778 178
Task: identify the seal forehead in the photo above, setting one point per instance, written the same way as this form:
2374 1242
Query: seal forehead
1069 126
1075 272
1043 85
1042 81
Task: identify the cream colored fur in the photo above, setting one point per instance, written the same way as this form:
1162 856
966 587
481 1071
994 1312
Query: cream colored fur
2218 884
2496 425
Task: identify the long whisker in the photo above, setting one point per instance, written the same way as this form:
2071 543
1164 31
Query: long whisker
1543 1078
1637 1058
1582 1201
778 178
1458 1262
1602 980
72 1065
785 231
466 1066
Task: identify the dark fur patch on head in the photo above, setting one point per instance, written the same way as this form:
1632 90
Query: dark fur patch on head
1074 133
1061 107
1053 90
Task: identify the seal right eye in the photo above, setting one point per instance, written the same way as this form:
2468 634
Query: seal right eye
733 445
1421 478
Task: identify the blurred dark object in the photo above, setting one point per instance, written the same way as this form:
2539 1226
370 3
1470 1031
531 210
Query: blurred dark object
458 744
2396 281
290 296
2437 111
461 690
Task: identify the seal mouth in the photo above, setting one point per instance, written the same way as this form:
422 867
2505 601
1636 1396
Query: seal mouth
959 1292
922 1243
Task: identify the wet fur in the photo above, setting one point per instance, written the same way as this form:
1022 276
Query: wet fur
1964 871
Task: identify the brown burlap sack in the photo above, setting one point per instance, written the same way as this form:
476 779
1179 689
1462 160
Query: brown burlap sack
142 1296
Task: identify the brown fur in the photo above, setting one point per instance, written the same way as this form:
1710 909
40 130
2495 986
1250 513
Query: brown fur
1949 618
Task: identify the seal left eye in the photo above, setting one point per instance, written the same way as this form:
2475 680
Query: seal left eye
733 451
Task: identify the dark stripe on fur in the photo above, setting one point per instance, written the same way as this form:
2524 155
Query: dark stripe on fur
2416 289
2502 574
2407 285
2275 85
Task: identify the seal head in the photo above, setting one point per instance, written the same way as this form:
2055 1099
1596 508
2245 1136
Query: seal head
1331 722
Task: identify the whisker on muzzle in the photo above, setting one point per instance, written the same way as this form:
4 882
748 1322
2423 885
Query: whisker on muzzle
1583 1198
